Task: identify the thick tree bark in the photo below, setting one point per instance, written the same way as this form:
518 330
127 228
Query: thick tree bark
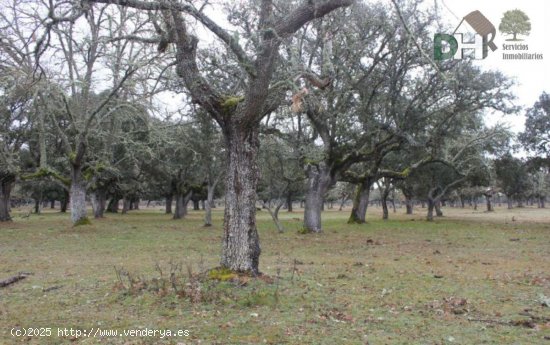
241 243
169 199
318 182
78 195
360 202
6 186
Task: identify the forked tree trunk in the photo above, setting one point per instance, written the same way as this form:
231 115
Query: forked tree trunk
241 243
78 196
6 186
360 202
318 182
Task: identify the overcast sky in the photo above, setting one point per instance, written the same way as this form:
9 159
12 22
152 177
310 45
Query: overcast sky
532 76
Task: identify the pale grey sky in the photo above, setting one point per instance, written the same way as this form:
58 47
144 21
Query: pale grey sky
532 76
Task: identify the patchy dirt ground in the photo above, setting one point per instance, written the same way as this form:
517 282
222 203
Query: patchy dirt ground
468 278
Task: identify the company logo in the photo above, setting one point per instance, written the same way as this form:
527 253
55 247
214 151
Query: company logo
515 22
457 46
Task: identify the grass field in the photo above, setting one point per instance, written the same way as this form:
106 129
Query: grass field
467 278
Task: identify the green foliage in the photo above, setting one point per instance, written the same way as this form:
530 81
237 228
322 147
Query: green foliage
536 137
230 102
221 274
515 22
83 221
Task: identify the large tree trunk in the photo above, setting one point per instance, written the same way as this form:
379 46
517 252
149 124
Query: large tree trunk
78 196
241 243
169 199
542 201
510 202
6 186
360 202
318 182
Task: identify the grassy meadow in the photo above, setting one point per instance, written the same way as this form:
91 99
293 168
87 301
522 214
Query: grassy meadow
467 278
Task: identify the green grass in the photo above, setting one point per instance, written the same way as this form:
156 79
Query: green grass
353 284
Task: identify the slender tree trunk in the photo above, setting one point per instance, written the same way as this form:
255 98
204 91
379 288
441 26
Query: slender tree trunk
52 204
65 201
360 202
6 186
275 215
208 205
241 243
542 200
169 199
384 201
409 204
289 201
431 206
318 182
437 206
488 198
78 196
